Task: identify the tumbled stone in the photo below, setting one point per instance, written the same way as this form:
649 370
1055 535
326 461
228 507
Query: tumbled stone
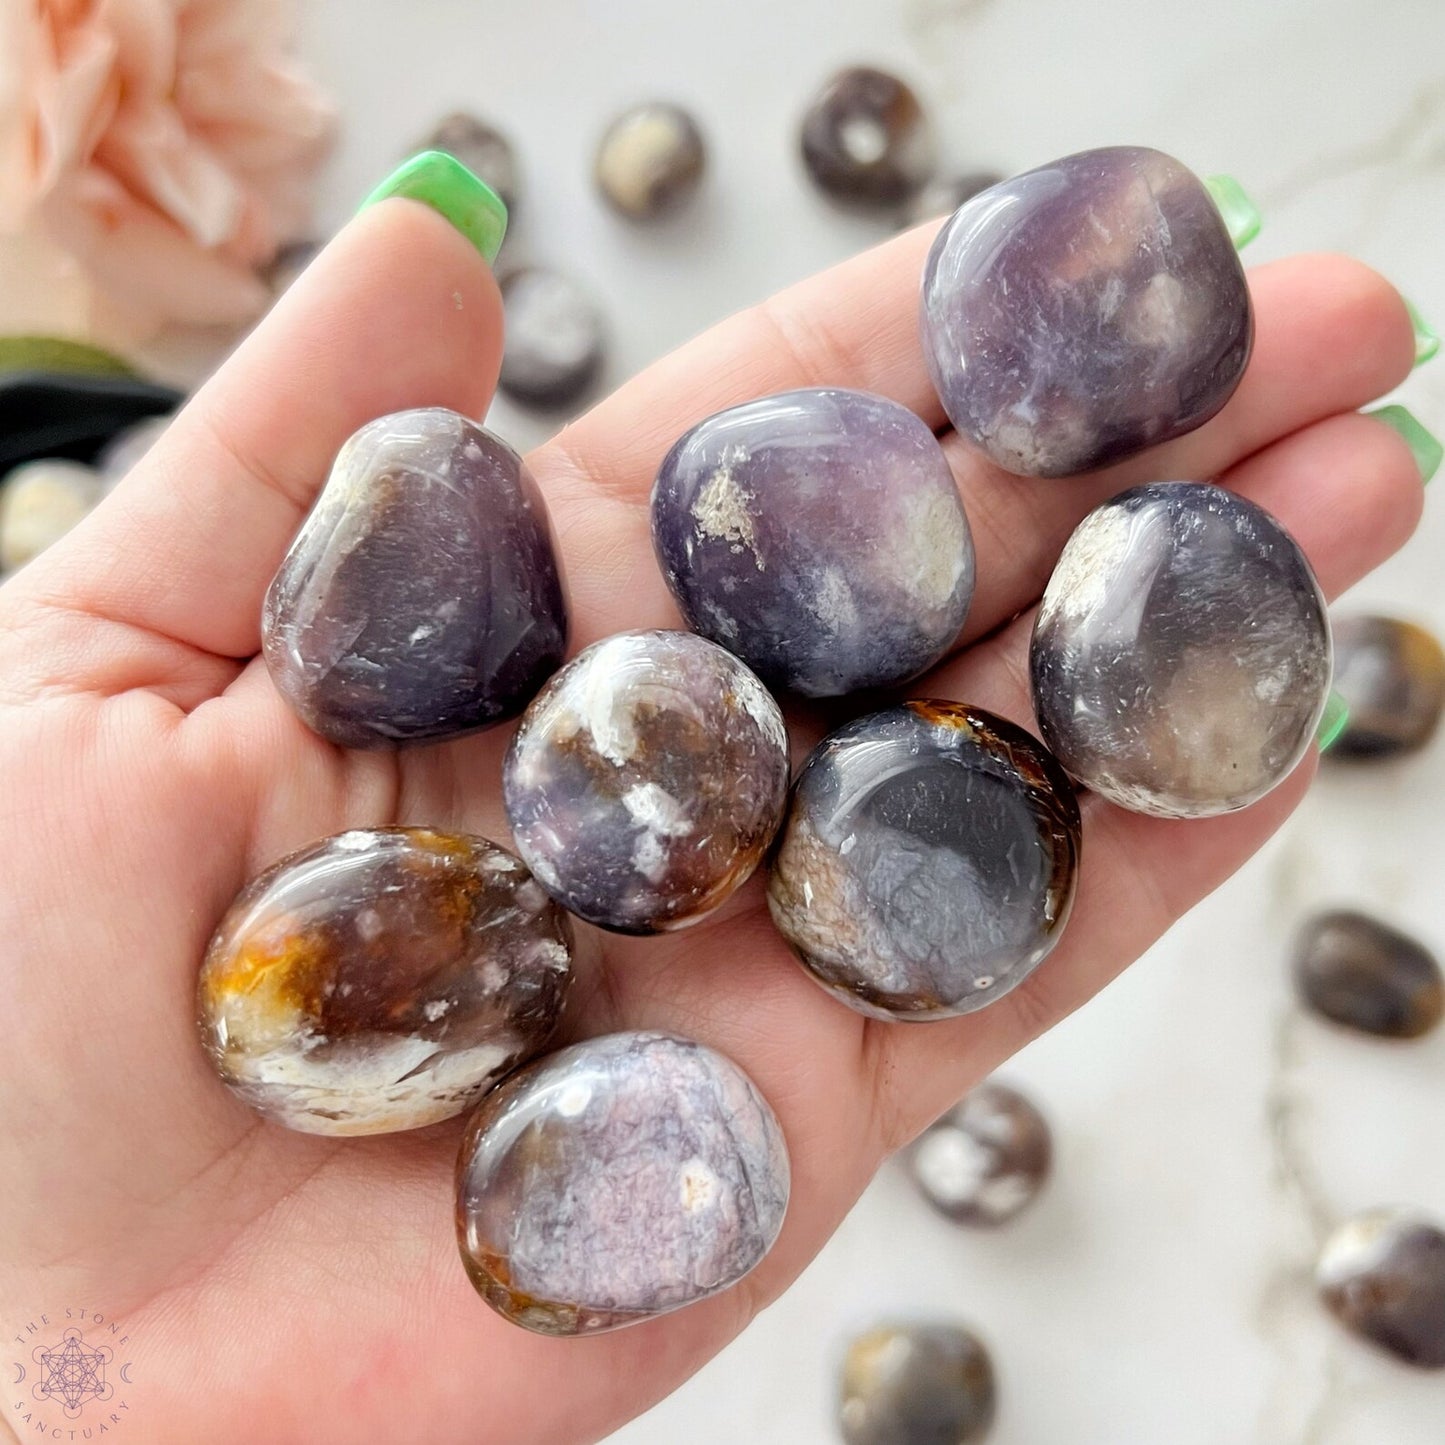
916 1384
928 860
647 780
616 1181
1362 973
382 979
1391 675
819 536
40 502
422 598
481 148
1382 1274
650 161
866 139
943 195
555 338
986 1159
1078 313
1181 653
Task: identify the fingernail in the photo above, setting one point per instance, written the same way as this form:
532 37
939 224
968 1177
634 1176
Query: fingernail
1241 216
1334 721
442 182
1428 452
1427 339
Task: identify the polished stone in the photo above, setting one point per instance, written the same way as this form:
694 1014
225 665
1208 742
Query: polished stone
650 161
647 780
986 1160
866 139
1382 1274
1078 313
555 338
943 195
1181 653
382 979
928 860
1391 675
40 502
1359 972
817 534
481 148
916 1384
618 1180
422 598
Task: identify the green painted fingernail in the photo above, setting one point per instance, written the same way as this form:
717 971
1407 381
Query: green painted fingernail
1427 339
1335 720
1428 451
442 182
1241 216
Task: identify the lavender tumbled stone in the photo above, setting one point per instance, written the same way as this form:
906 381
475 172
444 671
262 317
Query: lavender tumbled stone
618 1180
646 780
1081 312
818 535
422 598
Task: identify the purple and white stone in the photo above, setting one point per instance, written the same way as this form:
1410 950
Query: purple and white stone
1382 1275
1078 313
617 1180
986 1160
382 979
1181 653
817 534
647 780
928 861
422 599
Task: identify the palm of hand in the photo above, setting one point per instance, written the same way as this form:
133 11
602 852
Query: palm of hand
285 1287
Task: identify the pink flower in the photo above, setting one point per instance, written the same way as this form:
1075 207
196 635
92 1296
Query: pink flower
164 144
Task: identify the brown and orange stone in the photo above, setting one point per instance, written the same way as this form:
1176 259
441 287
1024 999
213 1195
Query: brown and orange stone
382 979
928 860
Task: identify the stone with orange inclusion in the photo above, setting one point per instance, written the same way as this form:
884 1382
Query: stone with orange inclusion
382 979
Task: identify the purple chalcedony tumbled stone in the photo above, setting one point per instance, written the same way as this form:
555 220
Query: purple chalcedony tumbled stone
618 1180
928 860
422 598
1081 312
647 780
818 535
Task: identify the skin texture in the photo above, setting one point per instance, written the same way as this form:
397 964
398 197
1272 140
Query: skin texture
291 1288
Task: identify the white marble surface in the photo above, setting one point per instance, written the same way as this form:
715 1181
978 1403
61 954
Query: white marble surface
1158 1293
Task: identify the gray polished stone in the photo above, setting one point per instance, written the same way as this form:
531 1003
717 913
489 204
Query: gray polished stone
555 338
818 535
928 861
617 1180
866 139
985 1160
482 148
422 598
1181 653
916 1384
1360 972
1382 1274
1081 312
647 780
382 979
1391 675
